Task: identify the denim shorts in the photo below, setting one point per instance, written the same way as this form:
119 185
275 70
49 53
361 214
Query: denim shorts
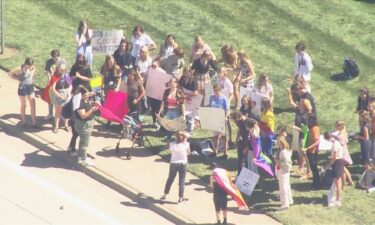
25 89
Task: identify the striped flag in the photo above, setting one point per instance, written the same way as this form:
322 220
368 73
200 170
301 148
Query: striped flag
260 160
223 179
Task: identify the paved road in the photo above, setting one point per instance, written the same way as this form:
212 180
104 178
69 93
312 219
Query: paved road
38 189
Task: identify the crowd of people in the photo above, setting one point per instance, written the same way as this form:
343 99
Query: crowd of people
233 81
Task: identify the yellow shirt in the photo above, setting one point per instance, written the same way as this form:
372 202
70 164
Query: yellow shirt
269 119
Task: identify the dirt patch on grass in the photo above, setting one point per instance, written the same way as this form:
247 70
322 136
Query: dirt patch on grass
9 52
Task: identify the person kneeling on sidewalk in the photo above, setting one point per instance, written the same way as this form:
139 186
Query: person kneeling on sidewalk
83 123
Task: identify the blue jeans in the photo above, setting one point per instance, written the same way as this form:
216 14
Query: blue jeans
173 169
266 140
172 114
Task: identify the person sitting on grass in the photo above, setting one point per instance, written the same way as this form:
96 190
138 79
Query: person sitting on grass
218 100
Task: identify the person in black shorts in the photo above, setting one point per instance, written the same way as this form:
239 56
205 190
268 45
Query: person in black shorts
220 198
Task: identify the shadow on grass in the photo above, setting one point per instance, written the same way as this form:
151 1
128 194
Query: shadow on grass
366 1
338 77
278 110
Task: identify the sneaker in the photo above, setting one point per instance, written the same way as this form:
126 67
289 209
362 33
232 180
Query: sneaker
182 200
88 162
163 197
335 204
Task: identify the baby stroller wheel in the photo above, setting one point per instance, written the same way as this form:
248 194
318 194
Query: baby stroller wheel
128 155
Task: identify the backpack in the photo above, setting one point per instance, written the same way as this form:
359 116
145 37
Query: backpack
67 109
351 69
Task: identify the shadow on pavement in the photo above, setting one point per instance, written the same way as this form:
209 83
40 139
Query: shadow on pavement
39 159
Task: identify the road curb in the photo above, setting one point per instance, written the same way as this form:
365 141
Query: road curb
95 173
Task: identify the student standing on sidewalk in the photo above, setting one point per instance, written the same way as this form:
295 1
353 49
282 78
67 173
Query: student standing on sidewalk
180 150
50 68
25 75
220 198
83 125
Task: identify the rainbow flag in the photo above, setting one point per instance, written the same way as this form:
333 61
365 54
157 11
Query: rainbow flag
260 159
223 179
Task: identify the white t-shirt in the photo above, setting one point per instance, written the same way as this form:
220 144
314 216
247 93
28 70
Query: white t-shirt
303 65
143 66
179 152
139 42
226 86
337 149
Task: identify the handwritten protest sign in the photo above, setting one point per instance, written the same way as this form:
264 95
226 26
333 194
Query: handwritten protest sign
106 41
212 119
246 181
156 80
192 103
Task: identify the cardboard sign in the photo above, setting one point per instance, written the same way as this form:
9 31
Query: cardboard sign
246 181
173 125
212 119
106 41
156 80
192 103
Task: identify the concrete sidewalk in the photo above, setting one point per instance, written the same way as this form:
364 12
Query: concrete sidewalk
142 178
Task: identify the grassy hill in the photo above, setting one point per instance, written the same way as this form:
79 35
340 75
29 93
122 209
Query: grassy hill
266 29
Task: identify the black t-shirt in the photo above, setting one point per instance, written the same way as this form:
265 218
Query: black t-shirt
84 71
86 106
122 60
202 69
244 133
309 97
191 86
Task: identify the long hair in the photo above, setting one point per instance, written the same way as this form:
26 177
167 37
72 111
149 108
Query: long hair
262 81
80 28
126 42
229 55
246 59
166 39
137 28
265 105
105 68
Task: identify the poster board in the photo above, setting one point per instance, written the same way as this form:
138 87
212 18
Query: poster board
212 119
106 41
246 181
174 125
208 91
155 85
192 103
